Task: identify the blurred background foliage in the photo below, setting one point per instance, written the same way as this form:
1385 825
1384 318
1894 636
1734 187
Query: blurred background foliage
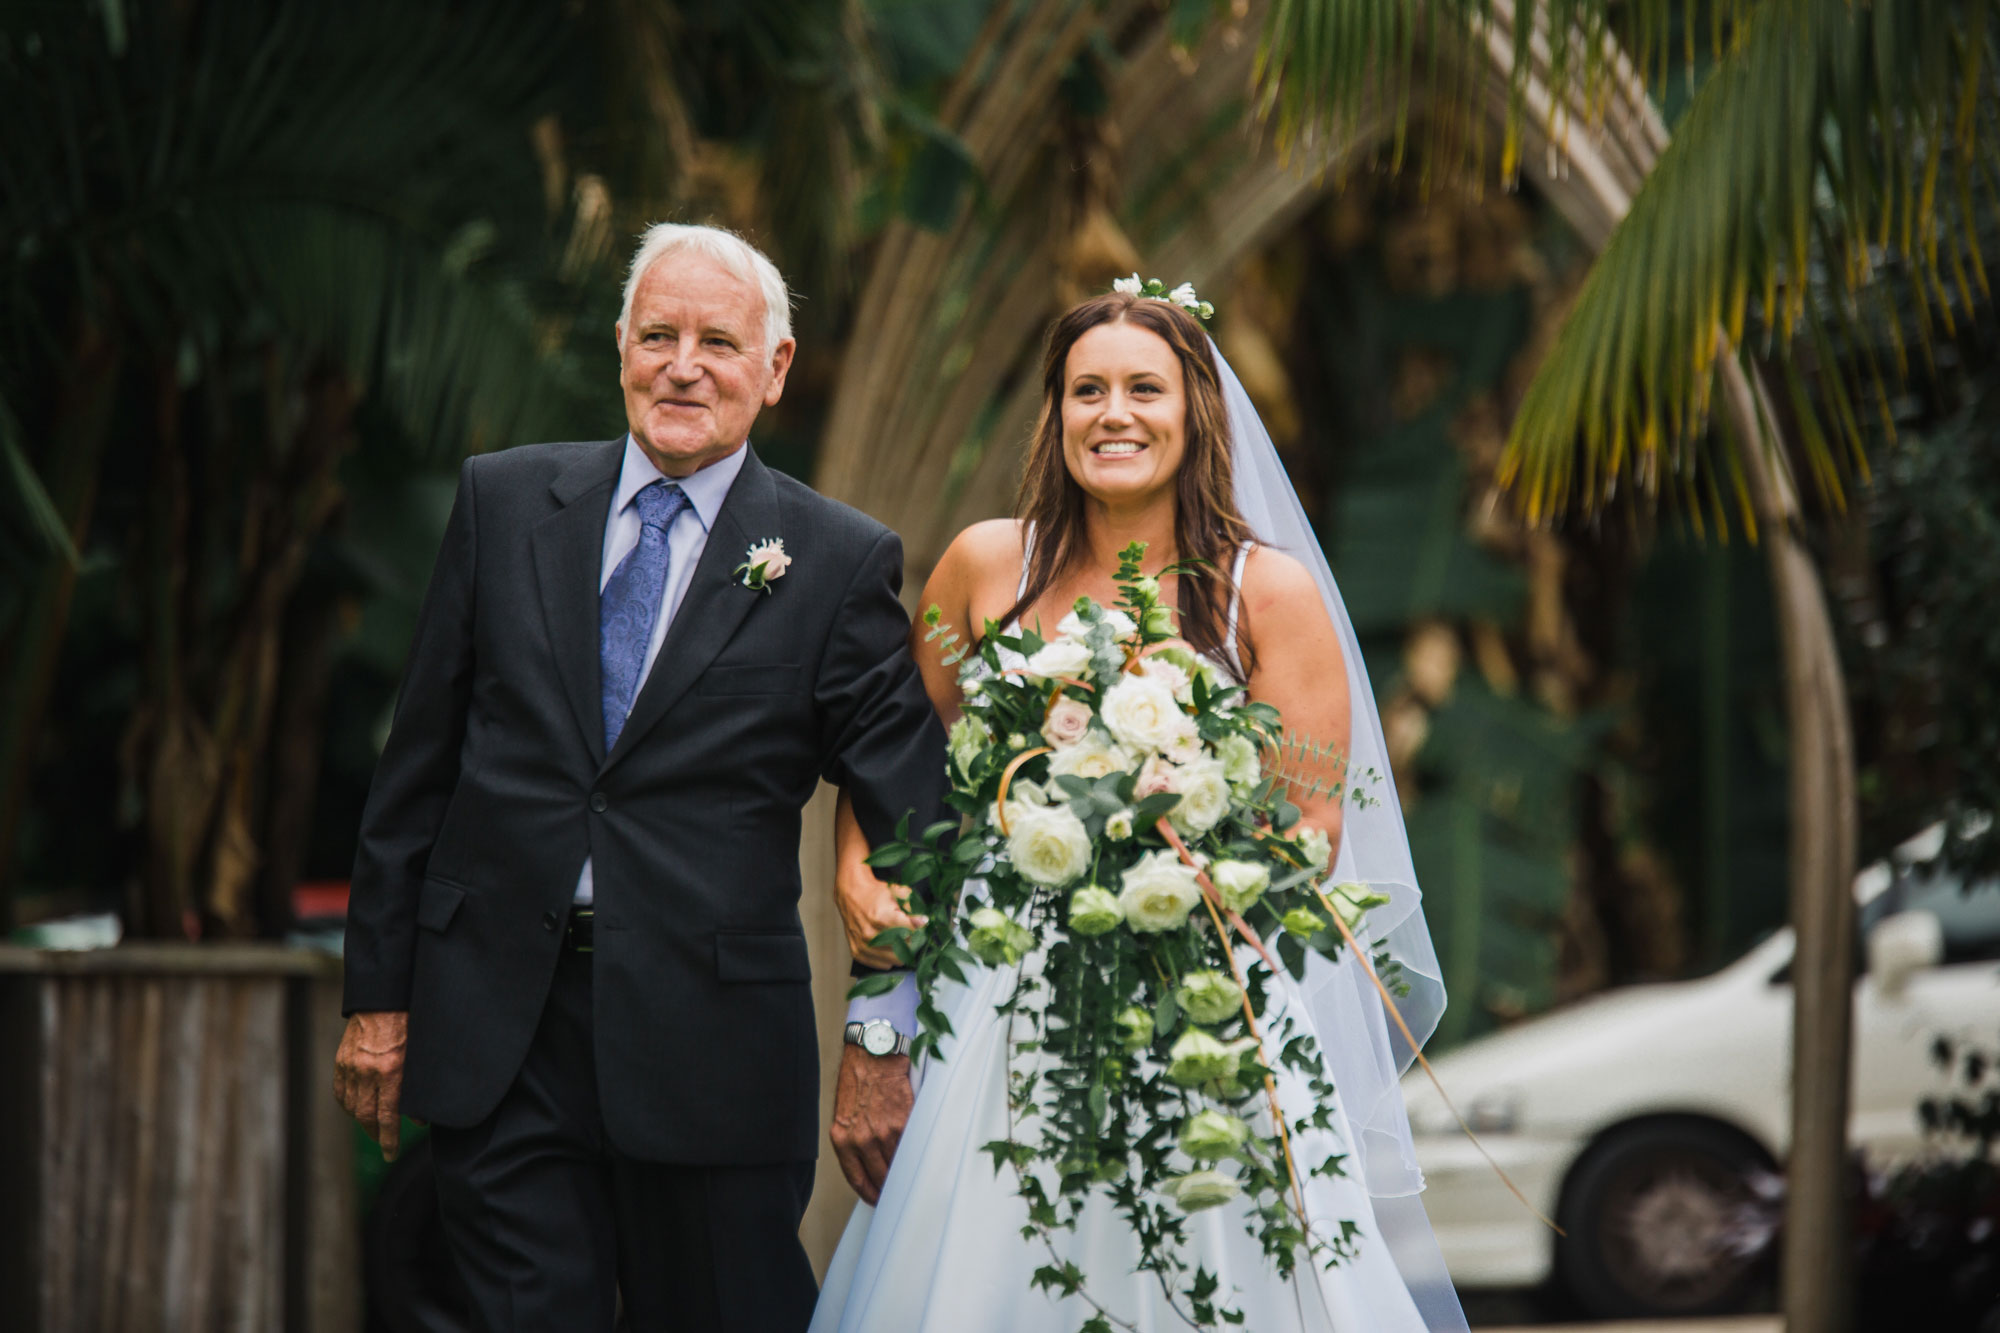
270 269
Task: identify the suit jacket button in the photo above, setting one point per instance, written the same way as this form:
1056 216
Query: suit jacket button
599 802
549 922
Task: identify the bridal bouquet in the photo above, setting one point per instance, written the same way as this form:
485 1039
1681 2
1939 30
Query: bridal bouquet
1128 844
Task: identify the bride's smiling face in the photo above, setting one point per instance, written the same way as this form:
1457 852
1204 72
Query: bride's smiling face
1124 413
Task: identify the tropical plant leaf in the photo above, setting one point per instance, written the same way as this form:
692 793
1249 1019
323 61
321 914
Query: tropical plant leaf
1827 139
26 494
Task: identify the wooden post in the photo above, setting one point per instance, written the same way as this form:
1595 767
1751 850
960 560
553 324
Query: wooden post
169 1148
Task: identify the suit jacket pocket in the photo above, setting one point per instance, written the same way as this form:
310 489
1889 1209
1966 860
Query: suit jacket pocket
749 678
438 903
761 956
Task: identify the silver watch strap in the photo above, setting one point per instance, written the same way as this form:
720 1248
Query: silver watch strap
851 1034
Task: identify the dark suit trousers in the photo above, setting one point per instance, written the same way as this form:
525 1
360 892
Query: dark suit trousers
551 1224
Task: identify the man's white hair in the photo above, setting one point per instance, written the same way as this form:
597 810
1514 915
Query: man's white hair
726 248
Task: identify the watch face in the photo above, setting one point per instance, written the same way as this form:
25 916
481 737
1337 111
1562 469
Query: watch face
878 1038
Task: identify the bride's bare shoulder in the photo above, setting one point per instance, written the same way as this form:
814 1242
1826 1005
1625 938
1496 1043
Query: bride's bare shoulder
1272 578
1279 590
990 546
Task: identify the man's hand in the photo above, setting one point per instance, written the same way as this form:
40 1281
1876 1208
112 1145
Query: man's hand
871 1104
368 1075
868 906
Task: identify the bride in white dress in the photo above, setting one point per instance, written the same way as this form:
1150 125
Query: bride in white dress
1147 436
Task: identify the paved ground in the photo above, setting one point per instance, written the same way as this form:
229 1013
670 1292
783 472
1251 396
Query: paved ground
1755 1323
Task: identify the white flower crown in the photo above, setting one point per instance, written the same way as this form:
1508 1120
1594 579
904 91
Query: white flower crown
1152 289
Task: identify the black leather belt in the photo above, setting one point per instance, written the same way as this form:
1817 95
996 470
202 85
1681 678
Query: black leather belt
581 932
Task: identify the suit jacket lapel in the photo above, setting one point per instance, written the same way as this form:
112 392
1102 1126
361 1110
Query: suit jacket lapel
715 603
568 549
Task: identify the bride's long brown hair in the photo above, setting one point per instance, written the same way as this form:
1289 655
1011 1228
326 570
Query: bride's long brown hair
1207 528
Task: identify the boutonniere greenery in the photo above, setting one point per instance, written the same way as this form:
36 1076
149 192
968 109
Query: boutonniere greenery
765 561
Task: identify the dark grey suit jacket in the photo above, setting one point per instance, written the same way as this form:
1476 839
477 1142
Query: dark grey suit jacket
495 785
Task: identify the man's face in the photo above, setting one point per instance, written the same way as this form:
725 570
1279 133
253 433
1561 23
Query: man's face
693 363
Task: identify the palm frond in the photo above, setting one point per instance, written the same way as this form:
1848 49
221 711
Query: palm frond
1809 159
1829 139
27 495
293 171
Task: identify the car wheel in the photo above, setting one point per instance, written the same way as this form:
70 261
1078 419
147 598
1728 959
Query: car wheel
413 1283
1665 1219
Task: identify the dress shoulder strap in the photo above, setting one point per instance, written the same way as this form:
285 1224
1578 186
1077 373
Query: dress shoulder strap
1236 607
1027 554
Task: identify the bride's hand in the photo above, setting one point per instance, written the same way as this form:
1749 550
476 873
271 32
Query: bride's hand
868 906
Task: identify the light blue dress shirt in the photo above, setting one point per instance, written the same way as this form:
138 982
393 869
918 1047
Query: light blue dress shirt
686 540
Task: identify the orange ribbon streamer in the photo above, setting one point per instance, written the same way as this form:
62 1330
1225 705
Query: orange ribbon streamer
1361 957
1006 780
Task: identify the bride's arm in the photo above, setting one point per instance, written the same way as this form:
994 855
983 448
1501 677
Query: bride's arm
868 906
1301 672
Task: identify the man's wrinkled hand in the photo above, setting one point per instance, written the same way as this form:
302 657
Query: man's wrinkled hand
368 1075
871 1104
868 906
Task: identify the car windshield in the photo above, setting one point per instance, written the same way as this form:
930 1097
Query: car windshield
1970 916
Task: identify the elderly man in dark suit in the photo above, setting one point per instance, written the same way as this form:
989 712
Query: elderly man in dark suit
574 945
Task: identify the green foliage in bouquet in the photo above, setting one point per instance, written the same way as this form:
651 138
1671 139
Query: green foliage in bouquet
1128 847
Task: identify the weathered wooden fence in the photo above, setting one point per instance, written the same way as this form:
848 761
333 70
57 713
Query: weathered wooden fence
171 1159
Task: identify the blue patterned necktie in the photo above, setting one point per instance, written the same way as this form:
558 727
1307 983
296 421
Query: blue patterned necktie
630 604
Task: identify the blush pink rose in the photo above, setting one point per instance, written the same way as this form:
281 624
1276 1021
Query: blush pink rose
1067 722
771 555
1155 776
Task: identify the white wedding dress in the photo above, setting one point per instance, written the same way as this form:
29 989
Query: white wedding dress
943 1250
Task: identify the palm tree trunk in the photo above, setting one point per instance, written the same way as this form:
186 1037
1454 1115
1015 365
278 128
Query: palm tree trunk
1593 195
1817 1245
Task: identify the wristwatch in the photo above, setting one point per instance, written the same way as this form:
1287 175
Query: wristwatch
877 1036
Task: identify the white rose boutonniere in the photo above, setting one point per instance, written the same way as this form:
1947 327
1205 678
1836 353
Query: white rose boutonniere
762 563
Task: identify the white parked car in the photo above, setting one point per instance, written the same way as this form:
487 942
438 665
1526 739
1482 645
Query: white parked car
1645 1119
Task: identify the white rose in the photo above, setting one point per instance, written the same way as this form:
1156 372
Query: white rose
1204 795
1317 846
968 737
1158 892
1240 763
1202 1189
1354 901
1027 793
1175 679
1184 295
1093 757
1073 625
1064 657
1129 286
1143 713
1047 843
1067 722
1239 883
